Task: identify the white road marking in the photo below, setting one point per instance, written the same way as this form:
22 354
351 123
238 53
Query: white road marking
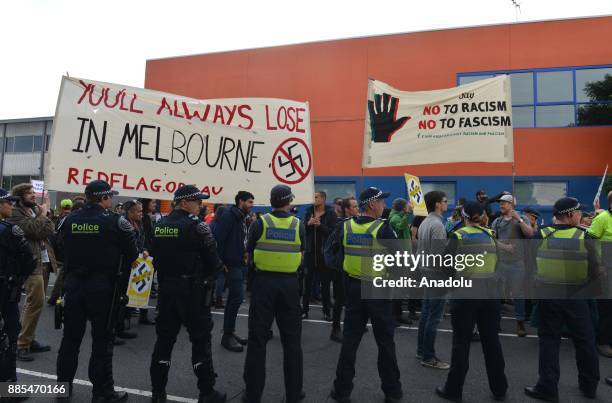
531 336
117 388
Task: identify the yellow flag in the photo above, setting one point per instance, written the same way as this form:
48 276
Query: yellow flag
139 286
415 195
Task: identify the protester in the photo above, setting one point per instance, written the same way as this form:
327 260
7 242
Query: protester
230 232
399 219
432 240
601 228
511 229
320 220
33 221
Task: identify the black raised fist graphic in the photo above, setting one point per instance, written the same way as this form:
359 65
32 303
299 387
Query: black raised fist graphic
383 118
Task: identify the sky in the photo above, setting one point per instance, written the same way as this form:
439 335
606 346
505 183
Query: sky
108 40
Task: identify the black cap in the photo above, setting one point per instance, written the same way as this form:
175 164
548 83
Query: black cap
472 208
6 196
189 192
99 188
371 194
566 205
281 193
481 192
532 211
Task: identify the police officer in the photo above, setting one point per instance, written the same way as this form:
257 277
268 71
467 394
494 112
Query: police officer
567 267
16 264
96 242
468 309
355 248
187 264
275 246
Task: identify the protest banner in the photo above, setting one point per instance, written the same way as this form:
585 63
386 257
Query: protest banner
147 143
38 186
415 195
139 286
469 123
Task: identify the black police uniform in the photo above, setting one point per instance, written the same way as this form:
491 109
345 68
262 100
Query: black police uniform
465 314
356 315
96 242
17 262
186 258
273 295
554 314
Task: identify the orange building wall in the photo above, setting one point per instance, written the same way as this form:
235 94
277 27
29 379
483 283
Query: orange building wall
332 77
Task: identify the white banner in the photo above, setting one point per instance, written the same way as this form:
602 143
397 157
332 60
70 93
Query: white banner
38 186
147 143
469 123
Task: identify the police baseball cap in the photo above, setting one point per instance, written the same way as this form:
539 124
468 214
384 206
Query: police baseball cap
371 194
189 192
66 203
471 209
99 188
281 193
565 205
6 196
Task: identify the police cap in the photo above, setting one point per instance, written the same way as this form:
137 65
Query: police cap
189 192
99 188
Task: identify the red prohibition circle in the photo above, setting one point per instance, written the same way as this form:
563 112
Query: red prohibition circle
303 174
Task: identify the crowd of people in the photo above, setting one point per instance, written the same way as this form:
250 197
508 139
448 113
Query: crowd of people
214 259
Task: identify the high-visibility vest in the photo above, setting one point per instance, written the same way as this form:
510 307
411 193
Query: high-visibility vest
477 241
359 242
562 256
278 247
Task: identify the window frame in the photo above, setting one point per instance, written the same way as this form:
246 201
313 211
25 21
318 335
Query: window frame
451 203
531 181
574 102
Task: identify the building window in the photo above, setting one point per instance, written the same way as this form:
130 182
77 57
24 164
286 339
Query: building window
9 181
540 193
23 144
446 187
336 189
562 97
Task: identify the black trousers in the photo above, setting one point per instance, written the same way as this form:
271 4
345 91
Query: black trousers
553 315
274 296
179 304
12 327
356 317
484 314
604 327
87 298
314 272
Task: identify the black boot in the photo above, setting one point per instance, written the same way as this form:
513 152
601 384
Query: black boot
111 397
158 398
229 342
336 335
213 397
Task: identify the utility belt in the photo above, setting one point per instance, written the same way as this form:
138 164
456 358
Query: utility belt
275 273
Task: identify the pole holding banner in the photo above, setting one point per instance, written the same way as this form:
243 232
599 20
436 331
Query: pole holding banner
598 194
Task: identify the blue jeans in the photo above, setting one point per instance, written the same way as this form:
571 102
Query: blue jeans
234 280
512 275
431 315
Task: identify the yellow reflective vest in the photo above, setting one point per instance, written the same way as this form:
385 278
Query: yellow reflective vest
474 241
278 247
562 257
360 246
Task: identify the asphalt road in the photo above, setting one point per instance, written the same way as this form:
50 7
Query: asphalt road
131 365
